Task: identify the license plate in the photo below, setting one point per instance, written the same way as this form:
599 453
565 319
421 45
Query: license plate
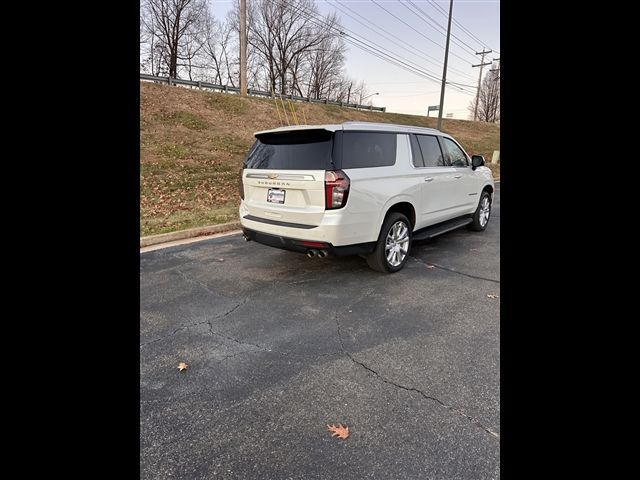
275 195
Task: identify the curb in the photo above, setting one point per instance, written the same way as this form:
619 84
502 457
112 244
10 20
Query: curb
189 233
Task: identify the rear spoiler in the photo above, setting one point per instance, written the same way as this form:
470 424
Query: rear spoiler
296 128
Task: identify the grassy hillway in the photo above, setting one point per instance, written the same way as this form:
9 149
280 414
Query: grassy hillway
192 144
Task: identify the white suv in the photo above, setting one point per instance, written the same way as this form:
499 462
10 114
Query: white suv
360 188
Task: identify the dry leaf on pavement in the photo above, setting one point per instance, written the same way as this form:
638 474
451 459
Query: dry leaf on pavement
182 366
338 431
430 267
492 295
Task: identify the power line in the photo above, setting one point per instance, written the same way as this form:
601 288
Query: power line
360 43
427 57
412 49
417 31
463 85
430 21
462 27
363 45
399 63
412 94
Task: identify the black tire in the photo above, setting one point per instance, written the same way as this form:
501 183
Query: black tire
378 259
476 225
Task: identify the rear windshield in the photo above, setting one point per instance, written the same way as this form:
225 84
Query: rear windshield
302 150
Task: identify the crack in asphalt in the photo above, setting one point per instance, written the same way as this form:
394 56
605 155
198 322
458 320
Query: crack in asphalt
455 271
229 312
412 389
182 327
235 340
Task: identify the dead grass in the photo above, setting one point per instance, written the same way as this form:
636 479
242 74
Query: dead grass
192 144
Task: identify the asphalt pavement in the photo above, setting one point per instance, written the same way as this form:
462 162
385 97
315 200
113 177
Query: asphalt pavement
280 345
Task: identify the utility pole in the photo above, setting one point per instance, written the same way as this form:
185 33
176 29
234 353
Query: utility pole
494 104
481 65
243 48
444 68
496 69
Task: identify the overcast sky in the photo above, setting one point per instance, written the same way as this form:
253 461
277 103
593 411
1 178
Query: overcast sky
400 90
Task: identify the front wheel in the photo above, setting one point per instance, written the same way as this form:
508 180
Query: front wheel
392 249
482 213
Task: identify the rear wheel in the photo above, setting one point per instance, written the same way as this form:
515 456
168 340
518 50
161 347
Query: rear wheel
392 249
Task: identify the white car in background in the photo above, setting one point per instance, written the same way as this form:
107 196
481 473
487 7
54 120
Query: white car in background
360 188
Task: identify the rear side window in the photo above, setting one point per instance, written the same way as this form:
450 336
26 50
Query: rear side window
455 155
302 150
416 155
431 152
368 149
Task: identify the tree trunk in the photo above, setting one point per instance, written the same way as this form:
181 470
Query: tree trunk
173 65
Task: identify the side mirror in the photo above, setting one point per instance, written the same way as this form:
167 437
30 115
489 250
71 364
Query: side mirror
477 161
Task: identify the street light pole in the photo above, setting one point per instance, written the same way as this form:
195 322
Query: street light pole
364 98
444 69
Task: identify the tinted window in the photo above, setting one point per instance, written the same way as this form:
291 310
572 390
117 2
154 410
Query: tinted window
368 149
456 157
305 150
431 152
415 152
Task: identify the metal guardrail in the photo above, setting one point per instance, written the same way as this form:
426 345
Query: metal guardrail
252 91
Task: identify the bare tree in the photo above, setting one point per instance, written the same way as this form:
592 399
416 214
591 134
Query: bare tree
342 89
489 98
192 44
152 48
172 23
360 92
211 49
280 31
146 39
291 47
326 63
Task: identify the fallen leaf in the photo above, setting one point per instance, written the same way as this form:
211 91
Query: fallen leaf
220 259
182 366
492 295
430 267
338 431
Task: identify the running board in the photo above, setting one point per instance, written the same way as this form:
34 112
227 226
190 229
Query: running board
434 231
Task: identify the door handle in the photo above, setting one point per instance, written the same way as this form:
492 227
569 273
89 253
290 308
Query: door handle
457 176
428 179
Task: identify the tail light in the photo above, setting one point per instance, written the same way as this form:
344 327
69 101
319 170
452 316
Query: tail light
240 185
336 189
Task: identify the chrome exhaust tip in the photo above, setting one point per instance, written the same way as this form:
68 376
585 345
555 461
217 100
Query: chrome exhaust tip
311 253
246 239
322 253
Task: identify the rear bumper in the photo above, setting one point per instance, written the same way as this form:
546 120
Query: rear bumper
295 244
337 227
